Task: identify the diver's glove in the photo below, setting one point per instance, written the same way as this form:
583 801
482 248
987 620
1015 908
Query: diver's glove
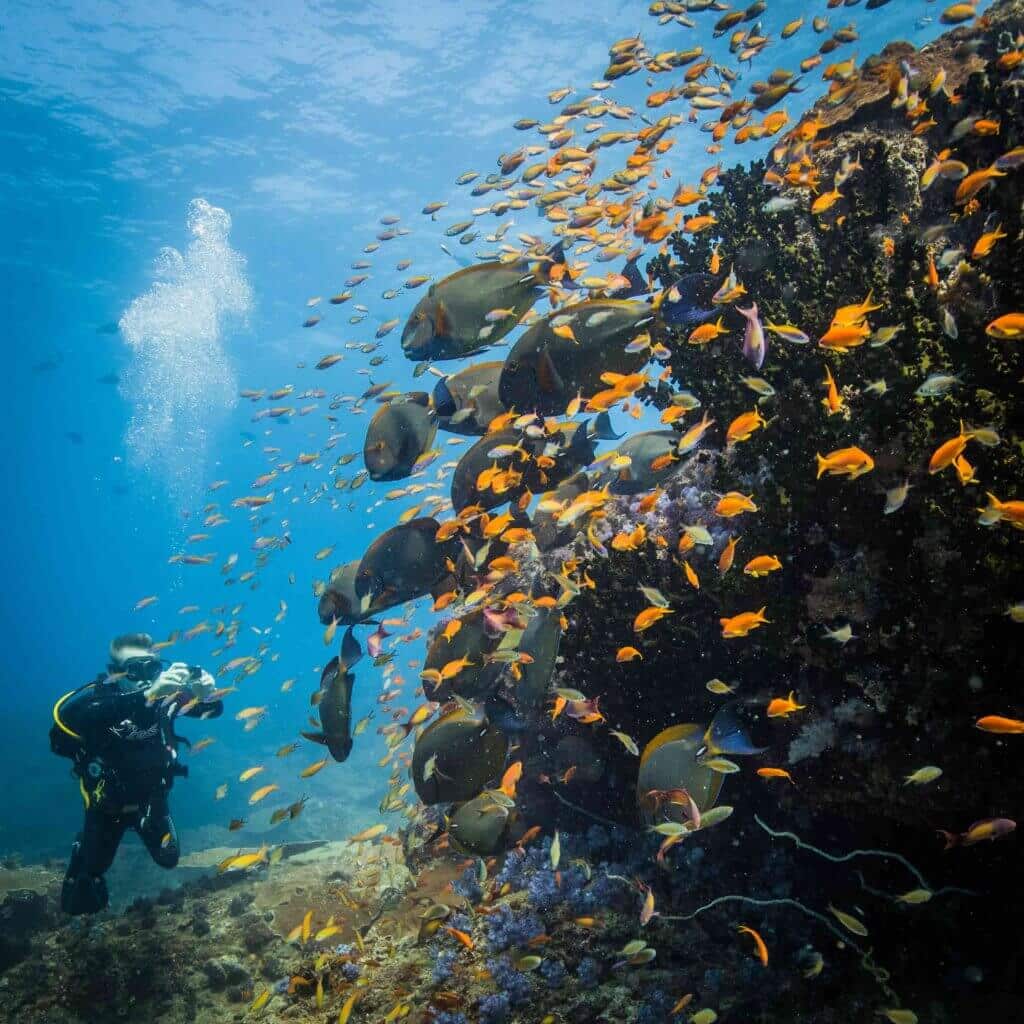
171 680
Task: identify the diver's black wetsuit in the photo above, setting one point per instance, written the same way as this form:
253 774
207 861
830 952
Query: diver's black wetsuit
125 756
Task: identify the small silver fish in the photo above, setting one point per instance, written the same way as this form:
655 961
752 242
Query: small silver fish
779 204
949 324
895 497
758 385
842 635
936 385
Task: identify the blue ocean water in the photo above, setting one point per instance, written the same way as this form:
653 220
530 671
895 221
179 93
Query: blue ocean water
304 123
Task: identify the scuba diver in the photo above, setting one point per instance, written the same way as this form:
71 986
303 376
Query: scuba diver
118 730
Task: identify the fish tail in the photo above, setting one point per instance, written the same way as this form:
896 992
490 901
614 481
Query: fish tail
951 838
351 652
637 284
555 255
601 428
692 306
822 464
727 735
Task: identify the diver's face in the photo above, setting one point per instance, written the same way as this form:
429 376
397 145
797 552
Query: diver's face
141 668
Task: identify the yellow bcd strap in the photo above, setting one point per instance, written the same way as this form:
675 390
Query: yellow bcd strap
56 714
84 791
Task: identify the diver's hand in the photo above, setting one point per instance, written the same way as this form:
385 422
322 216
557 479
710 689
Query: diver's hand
171 680
202 687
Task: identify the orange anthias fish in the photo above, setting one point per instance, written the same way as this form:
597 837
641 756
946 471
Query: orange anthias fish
692 437
984 245
734 504
775 773
999 724
852 462
841 338
762 565
726 558
974 183
1007 327
707 332
512 775
948 452
691 576
833 400
649 616
462 937
744 425
742 624
782 707
760 948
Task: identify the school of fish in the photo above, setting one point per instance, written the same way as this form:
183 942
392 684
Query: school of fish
533 348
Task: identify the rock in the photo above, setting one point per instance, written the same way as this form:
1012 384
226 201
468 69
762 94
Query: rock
273 968
236 994
171 898
226 970
256 932
215 974
240 904
21 913
140 905
24 910
200 925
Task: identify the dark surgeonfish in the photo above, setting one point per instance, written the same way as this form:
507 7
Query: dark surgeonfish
547 531
653 461
568 448
457 755
545 370
339 602
547 367
676 759
540 640
474 307
335 707
476 551
480 825
467 401
399 433
472 642
402 564
477 460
